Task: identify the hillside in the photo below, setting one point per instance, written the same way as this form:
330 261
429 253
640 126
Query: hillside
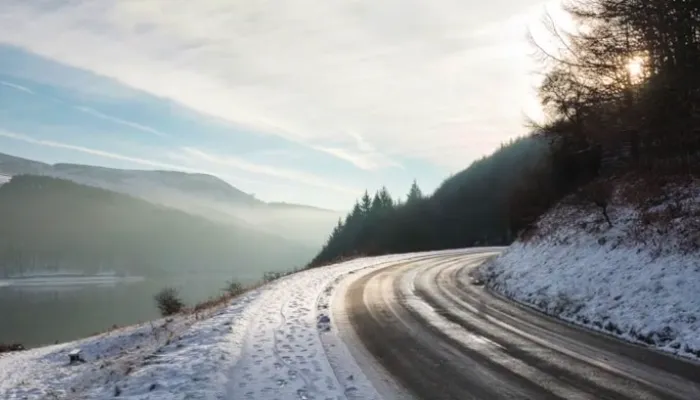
200 194
470 208
52 223
11 165
635 277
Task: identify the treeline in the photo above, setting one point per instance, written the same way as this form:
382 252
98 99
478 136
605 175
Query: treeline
470 208
622 93
626 82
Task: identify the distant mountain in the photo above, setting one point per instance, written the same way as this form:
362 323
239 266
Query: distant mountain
54 224
11 165
292 206
138 181
199 194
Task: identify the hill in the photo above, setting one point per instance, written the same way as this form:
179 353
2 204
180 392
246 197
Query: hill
200 194
631 272
11 165
470 208
54 223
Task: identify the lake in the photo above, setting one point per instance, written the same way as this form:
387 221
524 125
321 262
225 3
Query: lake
45 313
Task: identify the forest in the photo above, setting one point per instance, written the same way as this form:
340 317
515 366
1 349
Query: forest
621 92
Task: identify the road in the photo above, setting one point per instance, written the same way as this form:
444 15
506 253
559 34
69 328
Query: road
442 337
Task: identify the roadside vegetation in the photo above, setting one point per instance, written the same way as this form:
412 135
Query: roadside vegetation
170 302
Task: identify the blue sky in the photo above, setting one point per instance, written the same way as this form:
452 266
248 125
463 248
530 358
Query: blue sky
281 102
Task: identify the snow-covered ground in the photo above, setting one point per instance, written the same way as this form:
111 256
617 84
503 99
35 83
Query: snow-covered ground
637 279
275 342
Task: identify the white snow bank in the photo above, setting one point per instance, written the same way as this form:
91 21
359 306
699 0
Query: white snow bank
637 280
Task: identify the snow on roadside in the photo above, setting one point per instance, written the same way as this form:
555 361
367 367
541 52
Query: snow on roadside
350 376
265 344
635 280
194 363
284 356
180 357
45 372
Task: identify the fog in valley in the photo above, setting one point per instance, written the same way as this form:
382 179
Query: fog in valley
85 247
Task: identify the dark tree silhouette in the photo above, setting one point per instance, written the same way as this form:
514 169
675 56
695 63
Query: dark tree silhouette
470 208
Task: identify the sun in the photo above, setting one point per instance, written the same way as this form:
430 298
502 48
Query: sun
635 67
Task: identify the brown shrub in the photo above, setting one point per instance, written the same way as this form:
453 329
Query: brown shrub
169 302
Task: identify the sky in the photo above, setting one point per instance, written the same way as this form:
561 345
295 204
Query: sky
300 101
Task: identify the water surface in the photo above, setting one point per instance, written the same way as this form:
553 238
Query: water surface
45 313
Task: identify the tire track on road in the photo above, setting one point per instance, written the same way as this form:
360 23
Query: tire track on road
444 338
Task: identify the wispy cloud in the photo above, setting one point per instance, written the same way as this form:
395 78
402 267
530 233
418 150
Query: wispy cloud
362 160
360 153
402 74
92 112
199 157
120 121
17 87
91 151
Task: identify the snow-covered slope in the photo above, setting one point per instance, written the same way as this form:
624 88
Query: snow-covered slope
637 279
272 342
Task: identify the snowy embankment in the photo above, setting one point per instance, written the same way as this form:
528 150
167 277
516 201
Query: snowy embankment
637 279
273 342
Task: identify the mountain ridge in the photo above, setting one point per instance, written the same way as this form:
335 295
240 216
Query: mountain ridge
196 193
55 222
15 165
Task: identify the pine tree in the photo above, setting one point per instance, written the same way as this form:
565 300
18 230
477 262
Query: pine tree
365 204
377 205
414 194
337 230
385 198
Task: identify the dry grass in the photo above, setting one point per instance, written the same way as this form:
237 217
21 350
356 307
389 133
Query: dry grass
6 348
338 260
209 306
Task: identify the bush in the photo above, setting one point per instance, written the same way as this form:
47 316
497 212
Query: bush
272 276
599 193
234 288
169 302
6 348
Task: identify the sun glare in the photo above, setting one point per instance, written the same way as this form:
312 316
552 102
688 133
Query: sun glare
635 67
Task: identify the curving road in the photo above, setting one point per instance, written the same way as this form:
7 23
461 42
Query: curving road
442 337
